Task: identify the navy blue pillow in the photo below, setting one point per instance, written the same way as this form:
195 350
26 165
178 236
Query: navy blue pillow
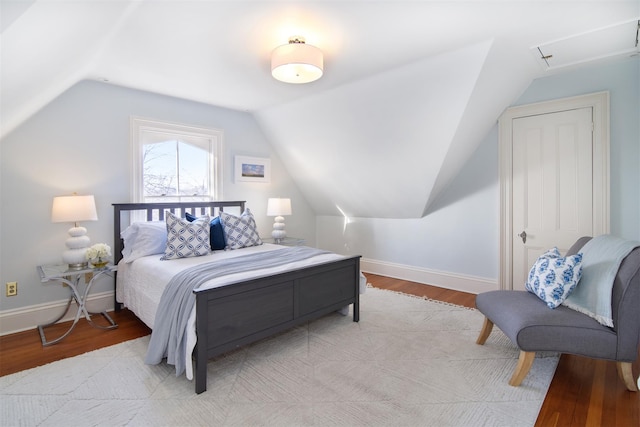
216 236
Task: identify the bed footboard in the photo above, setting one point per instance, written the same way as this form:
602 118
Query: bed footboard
232 316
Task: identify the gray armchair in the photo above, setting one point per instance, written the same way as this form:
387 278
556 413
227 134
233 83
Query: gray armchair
532 326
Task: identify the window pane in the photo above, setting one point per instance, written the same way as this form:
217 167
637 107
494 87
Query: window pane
193 178
174 162
159 169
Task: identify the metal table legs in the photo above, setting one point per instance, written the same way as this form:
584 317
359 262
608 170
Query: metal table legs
80 300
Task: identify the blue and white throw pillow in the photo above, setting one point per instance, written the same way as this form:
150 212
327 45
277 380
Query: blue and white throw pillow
552 277
216 231
240 231
186 239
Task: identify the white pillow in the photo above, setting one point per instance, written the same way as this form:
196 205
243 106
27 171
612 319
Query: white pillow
186 239
240 231
142 239
552 278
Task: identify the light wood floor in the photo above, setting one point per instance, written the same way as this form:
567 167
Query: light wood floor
584 392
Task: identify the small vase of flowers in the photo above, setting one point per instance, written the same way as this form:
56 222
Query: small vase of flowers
98 255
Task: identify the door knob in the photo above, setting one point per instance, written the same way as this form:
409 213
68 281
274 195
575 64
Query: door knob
524 236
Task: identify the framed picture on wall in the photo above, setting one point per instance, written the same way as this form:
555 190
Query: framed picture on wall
252 169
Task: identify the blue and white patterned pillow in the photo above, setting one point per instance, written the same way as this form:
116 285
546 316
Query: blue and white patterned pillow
186 239
552 277
217 233
240 231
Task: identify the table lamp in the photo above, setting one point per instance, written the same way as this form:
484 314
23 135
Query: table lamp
75 209
278 207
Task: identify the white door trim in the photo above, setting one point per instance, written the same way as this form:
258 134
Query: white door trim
599 102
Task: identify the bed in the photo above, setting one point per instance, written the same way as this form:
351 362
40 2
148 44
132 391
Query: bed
241 308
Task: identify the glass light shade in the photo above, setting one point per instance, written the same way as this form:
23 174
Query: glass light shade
74 209
296 62
278 207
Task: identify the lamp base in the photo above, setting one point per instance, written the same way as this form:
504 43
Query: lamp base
80 266
77 244
75 258
278 232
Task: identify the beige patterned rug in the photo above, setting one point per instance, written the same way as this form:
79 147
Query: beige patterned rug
408 362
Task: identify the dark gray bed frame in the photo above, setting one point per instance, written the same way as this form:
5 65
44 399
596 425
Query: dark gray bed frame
232 316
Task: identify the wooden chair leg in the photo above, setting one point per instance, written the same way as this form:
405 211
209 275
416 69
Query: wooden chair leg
625 372
522 368
487 326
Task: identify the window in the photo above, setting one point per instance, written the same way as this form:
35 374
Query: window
175 163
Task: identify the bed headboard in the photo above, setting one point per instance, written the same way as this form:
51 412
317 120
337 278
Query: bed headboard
155 212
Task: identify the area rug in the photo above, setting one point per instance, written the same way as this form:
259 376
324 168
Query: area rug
408 362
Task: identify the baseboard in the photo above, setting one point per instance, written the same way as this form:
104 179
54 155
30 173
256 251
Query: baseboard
25 318
442 279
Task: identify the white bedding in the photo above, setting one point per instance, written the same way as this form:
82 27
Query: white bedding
140 284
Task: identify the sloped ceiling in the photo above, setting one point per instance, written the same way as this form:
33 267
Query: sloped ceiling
410 87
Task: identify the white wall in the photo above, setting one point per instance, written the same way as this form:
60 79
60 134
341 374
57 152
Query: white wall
80 142
456 244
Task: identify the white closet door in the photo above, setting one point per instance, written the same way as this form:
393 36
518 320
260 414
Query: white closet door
552 185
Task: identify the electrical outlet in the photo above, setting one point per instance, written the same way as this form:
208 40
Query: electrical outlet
12 289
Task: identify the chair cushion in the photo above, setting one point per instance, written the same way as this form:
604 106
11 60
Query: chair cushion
530 325
625 302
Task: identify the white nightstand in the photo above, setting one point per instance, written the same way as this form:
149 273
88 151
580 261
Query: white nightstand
72 278
287 241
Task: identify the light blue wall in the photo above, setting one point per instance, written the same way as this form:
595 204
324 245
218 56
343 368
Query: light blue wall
460 235
80 143
622 80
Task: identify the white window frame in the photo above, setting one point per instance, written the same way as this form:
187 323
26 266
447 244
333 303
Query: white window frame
139 126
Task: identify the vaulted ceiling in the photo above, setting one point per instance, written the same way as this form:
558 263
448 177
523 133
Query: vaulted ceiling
409 91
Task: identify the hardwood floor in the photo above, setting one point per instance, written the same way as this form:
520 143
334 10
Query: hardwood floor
584 392
24 350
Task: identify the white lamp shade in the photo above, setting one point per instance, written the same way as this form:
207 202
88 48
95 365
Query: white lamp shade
278 207
296 62
74 209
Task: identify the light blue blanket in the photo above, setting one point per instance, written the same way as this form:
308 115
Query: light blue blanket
601 258
168 338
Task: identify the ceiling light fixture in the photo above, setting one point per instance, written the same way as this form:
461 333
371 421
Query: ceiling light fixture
296 62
